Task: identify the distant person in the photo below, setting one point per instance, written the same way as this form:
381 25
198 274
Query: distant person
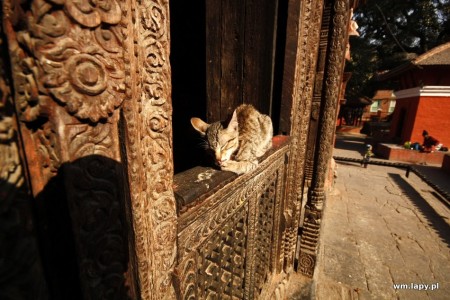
429 142
367 155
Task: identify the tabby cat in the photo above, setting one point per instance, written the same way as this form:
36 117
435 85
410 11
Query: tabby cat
237 147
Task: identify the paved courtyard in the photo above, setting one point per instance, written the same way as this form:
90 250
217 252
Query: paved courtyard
384 236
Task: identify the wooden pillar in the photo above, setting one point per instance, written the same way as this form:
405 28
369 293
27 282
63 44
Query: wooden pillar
147 127
317 94
298 81
92 96
324 145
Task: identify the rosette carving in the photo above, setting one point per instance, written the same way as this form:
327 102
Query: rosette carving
85 76
79 65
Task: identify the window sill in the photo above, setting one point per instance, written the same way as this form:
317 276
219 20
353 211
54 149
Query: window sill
193 186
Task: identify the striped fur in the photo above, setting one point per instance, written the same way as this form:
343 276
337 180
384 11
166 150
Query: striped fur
238 146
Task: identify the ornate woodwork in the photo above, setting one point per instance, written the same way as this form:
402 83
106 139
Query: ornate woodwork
229 239
147 120
86 144
92 96
324 145
317 94
20 264
305 61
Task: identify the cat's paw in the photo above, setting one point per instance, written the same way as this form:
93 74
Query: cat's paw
229 165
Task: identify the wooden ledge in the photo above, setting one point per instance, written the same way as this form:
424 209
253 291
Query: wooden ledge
194 185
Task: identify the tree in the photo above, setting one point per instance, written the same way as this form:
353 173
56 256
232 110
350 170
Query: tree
391 33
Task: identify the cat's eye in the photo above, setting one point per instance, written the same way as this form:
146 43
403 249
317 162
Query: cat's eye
228 145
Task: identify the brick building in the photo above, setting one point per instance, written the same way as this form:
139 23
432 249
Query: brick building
422 97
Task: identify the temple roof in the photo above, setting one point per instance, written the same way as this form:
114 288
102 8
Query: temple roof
438 56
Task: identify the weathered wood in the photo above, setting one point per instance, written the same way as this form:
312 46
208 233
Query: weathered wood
240 43
104 200
92 98
290 65
305 64
232 234
213 26
317 94
147 123
259 51
21 269
69 82
193 185
324 144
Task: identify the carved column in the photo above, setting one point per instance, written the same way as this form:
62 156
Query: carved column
92 96
324 145
147 116
317 94
307 38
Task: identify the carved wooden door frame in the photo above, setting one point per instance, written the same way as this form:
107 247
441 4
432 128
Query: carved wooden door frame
91 85
92 90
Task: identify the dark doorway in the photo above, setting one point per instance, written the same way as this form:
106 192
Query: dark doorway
223 53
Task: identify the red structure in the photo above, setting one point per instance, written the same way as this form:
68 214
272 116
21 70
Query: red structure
423 98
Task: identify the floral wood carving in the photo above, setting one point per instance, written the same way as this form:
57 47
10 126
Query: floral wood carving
79 64
230 242
308 41
324 144
148 122
69 67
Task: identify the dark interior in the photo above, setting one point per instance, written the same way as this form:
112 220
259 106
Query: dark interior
223 53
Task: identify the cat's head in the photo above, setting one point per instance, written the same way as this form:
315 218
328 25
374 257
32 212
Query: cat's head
223 141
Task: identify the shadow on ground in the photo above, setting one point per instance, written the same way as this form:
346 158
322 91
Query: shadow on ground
433 218
352 143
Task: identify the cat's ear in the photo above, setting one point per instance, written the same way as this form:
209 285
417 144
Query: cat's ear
199 125
233 125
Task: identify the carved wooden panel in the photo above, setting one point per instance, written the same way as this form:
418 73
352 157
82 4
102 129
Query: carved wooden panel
265 219
230 242
92 91
68 63
222 260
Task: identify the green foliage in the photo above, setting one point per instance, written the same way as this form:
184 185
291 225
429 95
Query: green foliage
391 33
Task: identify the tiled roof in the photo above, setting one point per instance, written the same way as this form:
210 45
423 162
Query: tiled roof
438 56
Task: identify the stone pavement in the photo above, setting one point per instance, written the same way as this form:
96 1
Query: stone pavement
383 236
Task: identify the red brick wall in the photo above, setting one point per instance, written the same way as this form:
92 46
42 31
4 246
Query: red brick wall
433 115
412 156
409 106
424 113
